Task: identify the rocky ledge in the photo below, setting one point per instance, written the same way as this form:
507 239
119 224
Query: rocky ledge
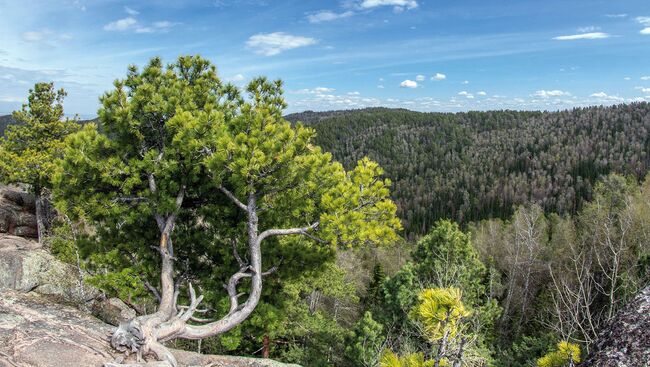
40 327
17 212
625 342
35 332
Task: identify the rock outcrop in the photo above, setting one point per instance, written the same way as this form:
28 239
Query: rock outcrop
113 311
35 332
26 266
17 213
39 327
625 342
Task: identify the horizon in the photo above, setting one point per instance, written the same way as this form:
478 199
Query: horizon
352 110
419 55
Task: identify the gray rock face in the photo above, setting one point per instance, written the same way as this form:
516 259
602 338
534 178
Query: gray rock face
25 266
113 311
625 342
35 332
17 213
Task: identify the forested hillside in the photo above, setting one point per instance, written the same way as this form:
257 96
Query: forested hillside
548 247
477 165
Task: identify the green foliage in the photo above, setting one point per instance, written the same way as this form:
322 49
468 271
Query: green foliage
365 343
446 257
303 329
440 311
477 165
565 354
526 350
180 125
399 295
262 153
374 290
176 129
390 359
30 148
62 242
566 274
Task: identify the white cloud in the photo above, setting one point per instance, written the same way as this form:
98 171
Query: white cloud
588 29
317 90
550 93
380 86
466 94
583 36
131 23
481 93
45 36
144 30
420 78
269 44
36 36
643 90
645 78
163 24
627 78
121 24
323 90
439 77
643 20
398 5
465 82
622 15
602 96
237 78
327 16
353 93
408 84
599 95
11 99
130 11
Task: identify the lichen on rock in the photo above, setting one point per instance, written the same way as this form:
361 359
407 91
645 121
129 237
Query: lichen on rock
625 341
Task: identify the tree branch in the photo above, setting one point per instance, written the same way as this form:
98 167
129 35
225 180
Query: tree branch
235 253
153 290
194 303
231 287
288 231
232 197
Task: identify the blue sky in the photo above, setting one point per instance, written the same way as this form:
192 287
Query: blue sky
426 55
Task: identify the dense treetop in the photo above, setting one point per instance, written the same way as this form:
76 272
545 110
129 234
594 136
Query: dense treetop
475 165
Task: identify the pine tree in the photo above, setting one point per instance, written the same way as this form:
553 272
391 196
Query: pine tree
184 161
30 148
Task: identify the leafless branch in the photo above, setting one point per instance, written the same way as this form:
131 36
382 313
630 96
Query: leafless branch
287 231
234 199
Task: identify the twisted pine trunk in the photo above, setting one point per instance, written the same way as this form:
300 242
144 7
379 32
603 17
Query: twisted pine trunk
145 335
